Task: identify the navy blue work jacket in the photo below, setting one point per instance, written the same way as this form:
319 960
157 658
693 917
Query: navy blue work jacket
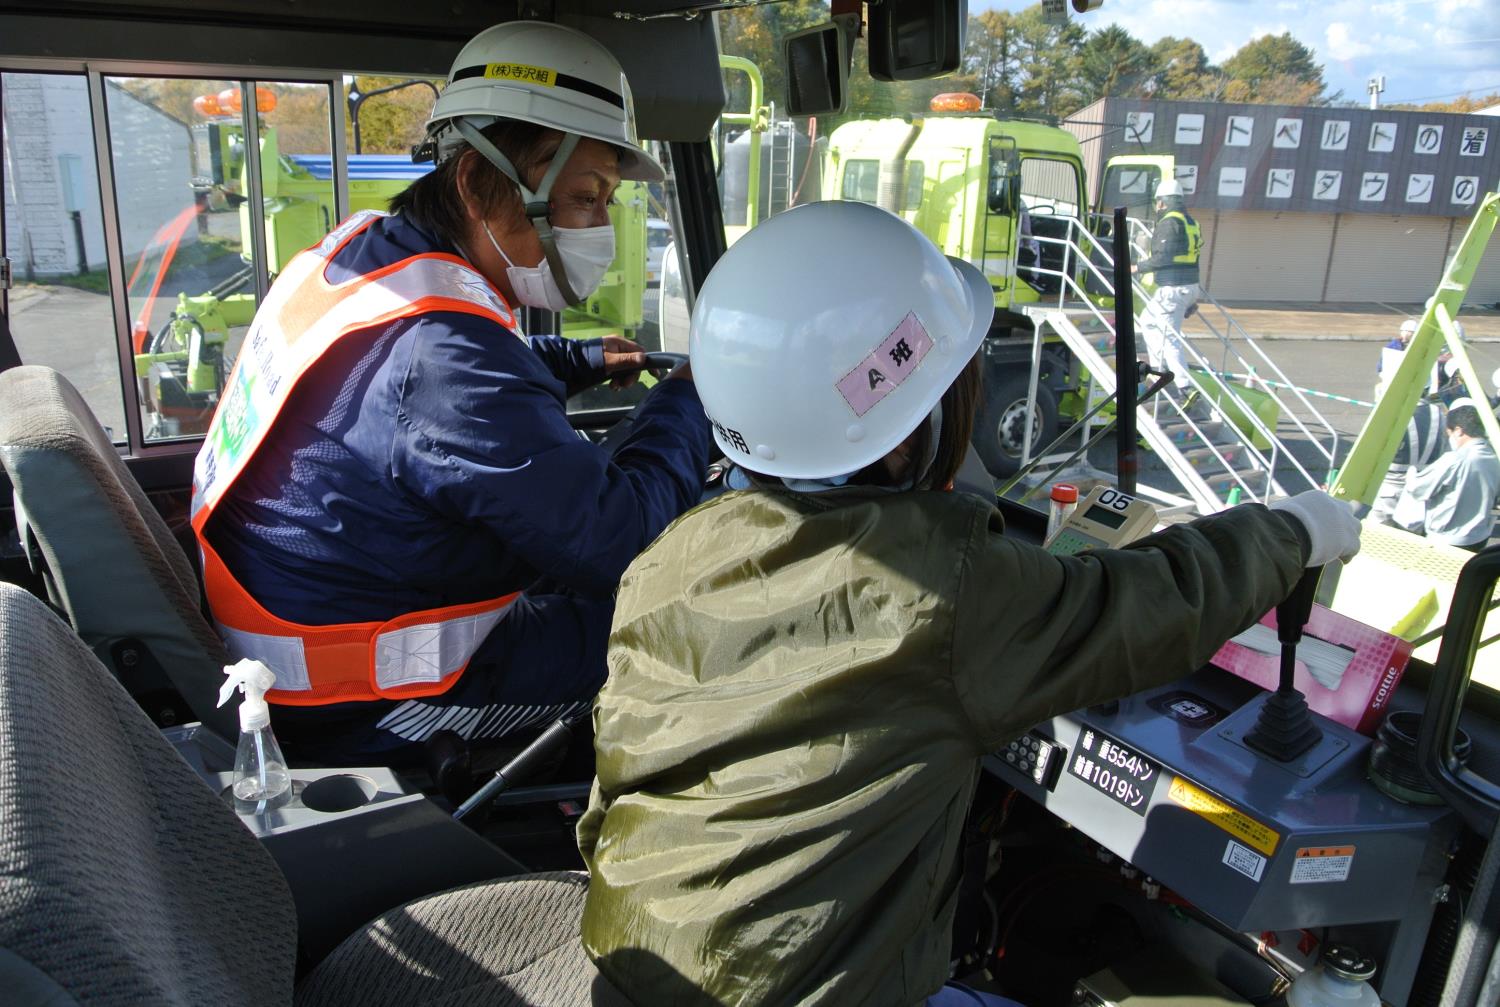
433 464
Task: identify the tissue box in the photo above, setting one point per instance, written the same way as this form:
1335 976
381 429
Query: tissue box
1348 671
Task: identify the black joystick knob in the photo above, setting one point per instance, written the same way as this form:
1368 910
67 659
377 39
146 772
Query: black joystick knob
1285 729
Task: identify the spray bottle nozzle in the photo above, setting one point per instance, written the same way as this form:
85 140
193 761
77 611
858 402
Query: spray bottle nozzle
253 679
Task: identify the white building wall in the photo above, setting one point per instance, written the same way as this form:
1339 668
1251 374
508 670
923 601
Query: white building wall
48 122
1262 256
35 224
1390 259
152 158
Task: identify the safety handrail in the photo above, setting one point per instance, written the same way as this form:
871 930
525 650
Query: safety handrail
1192 351
1236 331
1069 283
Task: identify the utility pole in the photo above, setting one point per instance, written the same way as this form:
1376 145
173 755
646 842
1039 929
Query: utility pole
1376 86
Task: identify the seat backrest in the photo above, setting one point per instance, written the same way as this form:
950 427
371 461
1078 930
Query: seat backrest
123 877
118 571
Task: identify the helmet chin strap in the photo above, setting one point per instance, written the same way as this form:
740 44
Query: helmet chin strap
535 202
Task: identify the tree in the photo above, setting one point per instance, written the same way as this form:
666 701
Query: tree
1466 103
988 58
1271 68
1115 64
1047 57
1182 70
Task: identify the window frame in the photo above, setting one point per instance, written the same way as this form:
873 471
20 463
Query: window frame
246 77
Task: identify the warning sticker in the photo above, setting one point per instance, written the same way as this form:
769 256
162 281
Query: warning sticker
1316 865
1245 860
1225 816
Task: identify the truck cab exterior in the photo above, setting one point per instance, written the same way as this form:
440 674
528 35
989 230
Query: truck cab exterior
964 181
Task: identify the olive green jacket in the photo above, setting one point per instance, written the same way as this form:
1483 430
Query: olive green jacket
800 689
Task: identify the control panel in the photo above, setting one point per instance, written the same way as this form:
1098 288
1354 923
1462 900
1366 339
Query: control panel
1166 781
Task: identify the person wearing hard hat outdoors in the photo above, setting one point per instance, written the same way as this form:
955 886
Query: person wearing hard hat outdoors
1175 248
804 675
1390 355
394 512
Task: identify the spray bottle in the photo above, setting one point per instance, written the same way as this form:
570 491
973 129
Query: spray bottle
261 780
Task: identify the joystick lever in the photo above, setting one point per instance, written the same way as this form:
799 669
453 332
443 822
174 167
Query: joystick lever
1285 729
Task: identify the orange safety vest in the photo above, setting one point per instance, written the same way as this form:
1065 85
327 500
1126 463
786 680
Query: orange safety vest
417 654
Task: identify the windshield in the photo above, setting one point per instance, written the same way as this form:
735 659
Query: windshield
1327 161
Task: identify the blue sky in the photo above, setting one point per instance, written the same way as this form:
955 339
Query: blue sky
1427 49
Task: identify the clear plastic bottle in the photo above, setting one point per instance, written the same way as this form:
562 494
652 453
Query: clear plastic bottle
261 780
1339 980
1064 502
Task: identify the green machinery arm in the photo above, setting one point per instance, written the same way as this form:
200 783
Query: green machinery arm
1370 457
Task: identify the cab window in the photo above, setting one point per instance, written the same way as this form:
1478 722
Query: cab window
862 183
1049 186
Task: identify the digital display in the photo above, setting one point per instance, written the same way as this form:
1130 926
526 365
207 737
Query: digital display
1105 516
1117 771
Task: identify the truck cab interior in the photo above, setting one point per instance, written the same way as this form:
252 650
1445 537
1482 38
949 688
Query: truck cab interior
1142 851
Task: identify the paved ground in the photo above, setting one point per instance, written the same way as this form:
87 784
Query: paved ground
1370 322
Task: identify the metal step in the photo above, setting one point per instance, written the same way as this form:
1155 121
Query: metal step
1199 458
1254 479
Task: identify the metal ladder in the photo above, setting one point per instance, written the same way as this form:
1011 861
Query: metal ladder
1207 434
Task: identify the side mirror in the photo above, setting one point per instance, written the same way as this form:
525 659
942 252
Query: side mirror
916 39
817 68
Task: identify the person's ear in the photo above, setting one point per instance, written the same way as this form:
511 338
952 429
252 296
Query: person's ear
464 180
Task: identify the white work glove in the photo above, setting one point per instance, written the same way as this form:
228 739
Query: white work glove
1332 528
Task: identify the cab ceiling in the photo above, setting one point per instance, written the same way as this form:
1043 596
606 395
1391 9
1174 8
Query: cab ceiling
672 63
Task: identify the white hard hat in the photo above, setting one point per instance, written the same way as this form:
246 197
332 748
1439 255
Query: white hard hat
548 74
1409 327
1167 188
827 335
1495 380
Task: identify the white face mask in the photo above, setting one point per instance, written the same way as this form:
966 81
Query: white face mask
586 253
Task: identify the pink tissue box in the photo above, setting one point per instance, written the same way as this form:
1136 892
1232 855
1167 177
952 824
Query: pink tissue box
1348 671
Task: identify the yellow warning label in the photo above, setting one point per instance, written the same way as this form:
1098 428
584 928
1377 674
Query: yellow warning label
520 71
1226 817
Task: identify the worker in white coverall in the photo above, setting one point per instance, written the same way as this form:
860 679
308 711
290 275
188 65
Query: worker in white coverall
1175 247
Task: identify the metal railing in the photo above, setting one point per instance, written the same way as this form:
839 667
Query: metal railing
1229 329
1080 250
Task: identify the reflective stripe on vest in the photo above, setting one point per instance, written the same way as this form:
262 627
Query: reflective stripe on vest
1194 238
416 654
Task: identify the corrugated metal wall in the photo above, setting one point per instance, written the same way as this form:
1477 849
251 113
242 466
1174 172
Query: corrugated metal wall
1387 258
1259 256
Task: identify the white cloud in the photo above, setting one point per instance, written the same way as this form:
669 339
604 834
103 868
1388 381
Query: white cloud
1342 44
1423 47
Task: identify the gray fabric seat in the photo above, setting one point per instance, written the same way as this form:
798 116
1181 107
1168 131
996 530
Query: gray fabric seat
520 946
125 879
116 570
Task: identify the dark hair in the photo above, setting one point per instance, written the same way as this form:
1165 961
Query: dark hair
960 403
1465 418
434 203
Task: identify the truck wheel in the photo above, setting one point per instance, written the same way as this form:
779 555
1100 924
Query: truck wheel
1001 426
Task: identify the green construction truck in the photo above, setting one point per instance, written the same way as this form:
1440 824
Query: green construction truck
985 190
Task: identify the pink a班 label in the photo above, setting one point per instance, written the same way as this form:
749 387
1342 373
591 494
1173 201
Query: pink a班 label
874 377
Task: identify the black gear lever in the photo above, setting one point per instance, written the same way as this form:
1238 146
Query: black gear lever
1285 728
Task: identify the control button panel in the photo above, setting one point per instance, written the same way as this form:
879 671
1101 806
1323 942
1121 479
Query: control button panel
1037 756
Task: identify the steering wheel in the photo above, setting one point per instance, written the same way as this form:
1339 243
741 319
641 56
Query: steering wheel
663 361
658 361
